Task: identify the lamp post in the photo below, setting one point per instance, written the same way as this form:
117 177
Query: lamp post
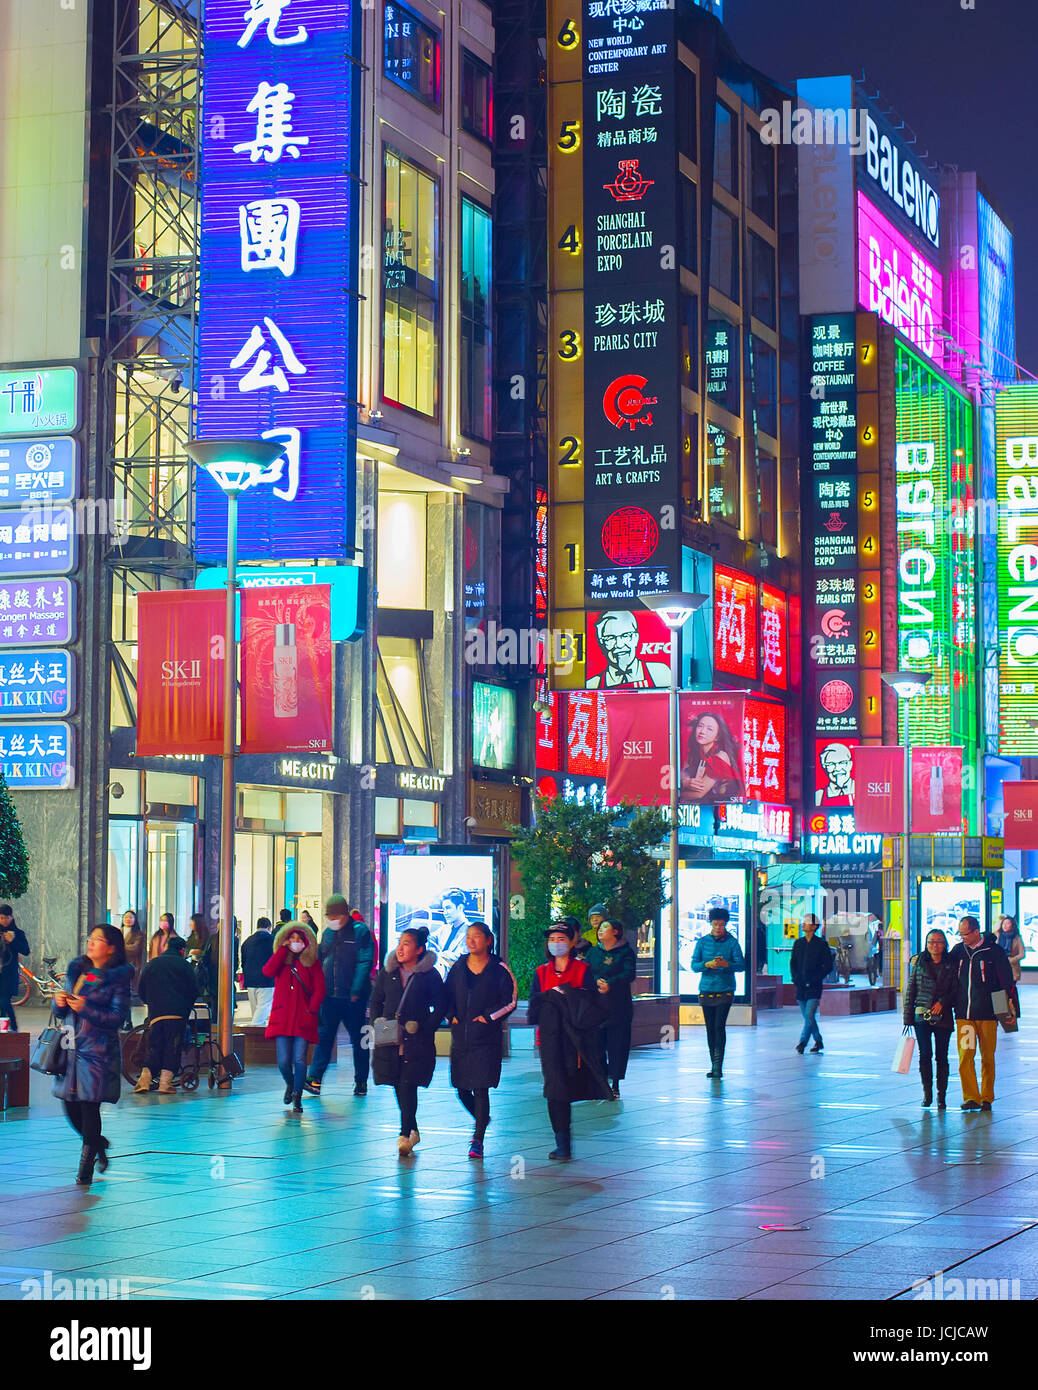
234 465
674 609
906 685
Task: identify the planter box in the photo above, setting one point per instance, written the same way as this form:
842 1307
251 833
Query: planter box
844 1000
652 1014
14 1063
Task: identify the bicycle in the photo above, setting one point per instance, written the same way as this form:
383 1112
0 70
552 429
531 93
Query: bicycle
844 956
47 987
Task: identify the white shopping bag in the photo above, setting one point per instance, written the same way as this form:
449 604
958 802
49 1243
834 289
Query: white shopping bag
903 1054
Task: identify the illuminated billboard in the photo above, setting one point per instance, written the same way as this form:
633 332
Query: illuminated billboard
1016 453
898 283
493 725
774 637
627 650
735 622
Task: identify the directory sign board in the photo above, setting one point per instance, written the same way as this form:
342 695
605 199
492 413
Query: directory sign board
38 680
37 612
39 400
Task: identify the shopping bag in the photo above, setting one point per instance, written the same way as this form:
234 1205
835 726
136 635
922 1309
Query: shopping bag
902 1062
1002 1006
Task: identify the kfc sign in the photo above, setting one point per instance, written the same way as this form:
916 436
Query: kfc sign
774 634
627 651
735 623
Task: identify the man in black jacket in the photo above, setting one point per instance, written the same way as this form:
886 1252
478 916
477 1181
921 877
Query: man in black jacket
256 950
811 960
169 987
13 943
347 951
982 968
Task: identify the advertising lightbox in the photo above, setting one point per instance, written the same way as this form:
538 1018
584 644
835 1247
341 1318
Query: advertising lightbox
38 470
443 893
627 650
898 283
37 612
39 400
38 756
1027 921
941 905
701 887
735 622
493 726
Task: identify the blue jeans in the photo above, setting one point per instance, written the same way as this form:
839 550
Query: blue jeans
345 1011
809 1011
292 1060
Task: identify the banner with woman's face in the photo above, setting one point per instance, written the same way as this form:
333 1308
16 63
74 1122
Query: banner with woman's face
710 748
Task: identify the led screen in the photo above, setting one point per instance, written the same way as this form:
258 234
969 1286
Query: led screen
442 893
941 905
1027 921
701 887
493 726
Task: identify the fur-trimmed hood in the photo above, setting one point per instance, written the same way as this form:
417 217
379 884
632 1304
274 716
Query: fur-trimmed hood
426 961
307 957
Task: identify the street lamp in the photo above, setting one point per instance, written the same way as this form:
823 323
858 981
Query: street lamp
234 465
906 685
675 609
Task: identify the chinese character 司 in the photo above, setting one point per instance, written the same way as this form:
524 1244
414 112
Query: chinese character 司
269 12
272 107
257 376
269 231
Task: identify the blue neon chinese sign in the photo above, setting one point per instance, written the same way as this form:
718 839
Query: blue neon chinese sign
42 681
38 470
278 270
37 757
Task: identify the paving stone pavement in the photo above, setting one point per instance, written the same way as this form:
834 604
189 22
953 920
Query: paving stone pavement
222 1196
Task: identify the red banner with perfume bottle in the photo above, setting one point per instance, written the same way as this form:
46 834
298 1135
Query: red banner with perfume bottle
286 663
180 672
879 798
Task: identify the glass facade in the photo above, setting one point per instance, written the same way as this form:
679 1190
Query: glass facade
475 366
412 53
411 285
477 97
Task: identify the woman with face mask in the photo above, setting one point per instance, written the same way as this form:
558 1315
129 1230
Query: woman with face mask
298 995
568 1008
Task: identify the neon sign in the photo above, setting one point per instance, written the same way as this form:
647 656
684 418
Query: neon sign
1016 433
901 180
897 282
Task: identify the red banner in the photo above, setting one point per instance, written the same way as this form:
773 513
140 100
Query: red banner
180 672
287 669
936 790
879 787
587 733
710 742
1021 823
639 750
774 637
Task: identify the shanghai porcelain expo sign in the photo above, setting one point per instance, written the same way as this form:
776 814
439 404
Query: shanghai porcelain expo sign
39 400
278 285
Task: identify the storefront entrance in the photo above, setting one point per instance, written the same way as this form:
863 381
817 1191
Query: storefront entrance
275 871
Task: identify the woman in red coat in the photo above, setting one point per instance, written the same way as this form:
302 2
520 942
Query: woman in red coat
298 995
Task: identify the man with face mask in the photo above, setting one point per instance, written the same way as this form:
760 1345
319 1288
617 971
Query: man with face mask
347 952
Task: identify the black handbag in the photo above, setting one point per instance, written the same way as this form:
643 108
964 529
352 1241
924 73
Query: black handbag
50 1055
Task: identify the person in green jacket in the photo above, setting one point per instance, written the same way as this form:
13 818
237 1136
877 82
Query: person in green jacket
613 961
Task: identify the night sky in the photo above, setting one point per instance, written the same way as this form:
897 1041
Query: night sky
966 81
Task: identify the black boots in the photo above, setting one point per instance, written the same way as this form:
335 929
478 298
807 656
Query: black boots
289 1093
102 1155
562 1150
716 1062
941 1102
85 1176
927 1096
297 1102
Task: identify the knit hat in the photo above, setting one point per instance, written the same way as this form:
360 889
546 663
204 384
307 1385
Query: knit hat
336 906
597 910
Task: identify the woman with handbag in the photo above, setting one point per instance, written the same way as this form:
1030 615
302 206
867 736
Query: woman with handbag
929 1005
1012 943
298 996
407 1005
95 1006
480 994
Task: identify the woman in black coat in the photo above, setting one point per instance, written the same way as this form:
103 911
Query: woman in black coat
614 961
480 993
97 1000
567 1008
13 943
410 1063
929 1004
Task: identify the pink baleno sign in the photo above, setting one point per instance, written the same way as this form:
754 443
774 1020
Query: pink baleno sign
897 282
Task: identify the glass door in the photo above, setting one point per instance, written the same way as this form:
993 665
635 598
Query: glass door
170 872
123 869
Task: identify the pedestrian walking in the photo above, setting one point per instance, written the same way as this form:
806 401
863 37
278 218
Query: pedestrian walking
480 992
613 961
97 1001
346 953
304 916
717 957
810 961
13 943
169 988
568 1010
135 941
762 949
1012 943
981 969
159 939
409 993
256 950
298 996
929 1007
284 916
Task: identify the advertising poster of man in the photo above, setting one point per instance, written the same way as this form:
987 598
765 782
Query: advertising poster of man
711 746
943 905
699 889
627 651
443 894
834 776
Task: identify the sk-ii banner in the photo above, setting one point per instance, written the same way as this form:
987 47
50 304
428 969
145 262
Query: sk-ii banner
879 789
936 790
180 672
710 744
287 670
1020 830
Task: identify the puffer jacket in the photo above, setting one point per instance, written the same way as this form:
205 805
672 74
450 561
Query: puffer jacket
93 1072
568 1012
298 986
928 985
980 971
709 947
476 1048
419 1016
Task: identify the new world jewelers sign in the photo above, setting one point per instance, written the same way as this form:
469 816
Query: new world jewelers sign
278 270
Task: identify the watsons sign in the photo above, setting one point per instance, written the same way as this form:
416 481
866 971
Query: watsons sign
901 180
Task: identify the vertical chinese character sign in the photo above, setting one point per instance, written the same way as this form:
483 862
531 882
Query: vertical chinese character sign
278 270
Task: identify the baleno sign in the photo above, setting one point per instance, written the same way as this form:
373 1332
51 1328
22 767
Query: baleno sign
901 180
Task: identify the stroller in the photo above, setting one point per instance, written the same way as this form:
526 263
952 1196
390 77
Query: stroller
199 1050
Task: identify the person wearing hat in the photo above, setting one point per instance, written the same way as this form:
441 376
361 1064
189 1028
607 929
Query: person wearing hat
596 916
298 996
613 960
168 987
409 990
347 952
567 1008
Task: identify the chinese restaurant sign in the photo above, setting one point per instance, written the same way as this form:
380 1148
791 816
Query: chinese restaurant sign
278 270
39 400
37 612
38 470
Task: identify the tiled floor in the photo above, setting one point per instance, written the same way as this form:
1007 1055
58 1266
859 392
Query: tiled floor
232 1197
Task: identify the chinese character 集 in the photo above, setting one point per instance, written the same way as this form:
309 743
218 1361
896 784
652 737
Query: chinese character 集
272 106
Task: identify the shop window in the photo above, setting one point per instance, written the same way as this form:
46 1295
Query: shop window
688 114
412 53
689 212
723 364
762 179
690 465
420 819
477 97
768 490
411 286
762 280
401 549
169 788
726 148
476 366
124 792
303 812
763 380
387 816
401 723
260 803
724 254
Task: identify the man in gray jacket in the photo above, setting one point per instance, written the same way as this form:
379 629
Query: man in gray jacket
347 951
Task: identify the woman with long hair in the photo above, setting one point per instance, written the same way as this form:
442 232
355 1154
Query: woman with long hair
929 1000
480 992
13 943
98 1000
408 990
158 941
711 773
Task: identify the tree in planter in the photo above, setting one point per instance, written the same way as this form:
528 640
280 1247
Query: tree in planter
14 861
579 855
